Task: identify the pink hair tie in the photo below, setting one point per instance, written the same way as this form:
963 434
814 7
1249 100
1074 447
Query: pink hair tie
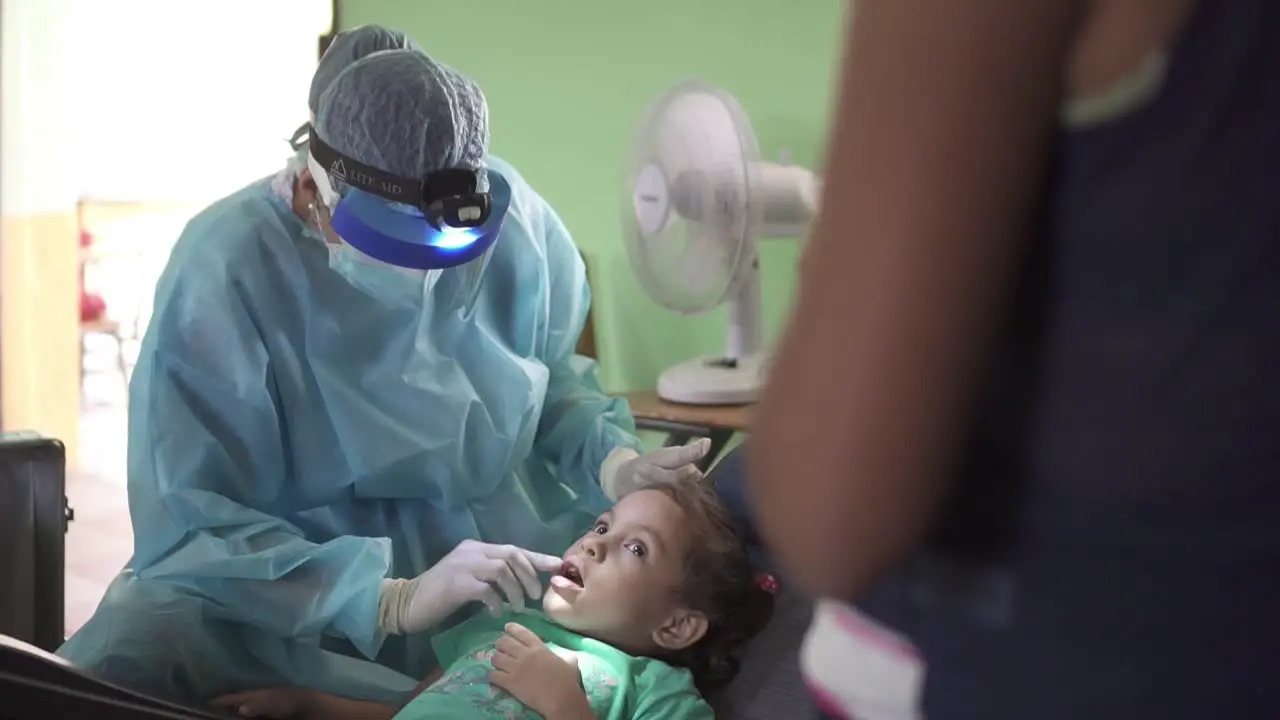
768 583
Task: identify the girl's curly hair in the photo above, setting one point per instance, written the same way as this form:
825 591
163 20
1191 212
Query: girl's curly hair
721 583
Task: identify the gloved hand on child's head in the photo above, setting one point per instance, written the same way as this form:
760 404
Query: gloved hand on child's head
729 478
626 470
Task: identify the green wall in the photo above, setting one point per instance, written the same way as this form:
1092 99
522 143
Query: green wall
567 81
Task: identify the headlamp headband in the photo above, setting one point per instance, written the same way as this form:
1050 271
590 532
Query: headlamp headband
447 198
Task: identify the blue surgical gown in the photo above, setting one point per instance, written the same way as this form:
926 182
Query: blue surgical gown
292 442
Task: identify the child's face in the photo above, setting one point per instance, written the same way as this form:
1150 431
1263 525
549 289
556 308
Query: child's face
620 583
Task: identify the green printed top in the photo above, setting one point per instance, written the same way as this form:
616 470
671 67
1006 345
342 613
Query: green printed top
618 686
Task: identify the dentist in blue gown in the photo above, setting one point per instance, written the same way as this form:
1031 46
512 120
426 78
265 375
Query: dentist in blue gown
358 409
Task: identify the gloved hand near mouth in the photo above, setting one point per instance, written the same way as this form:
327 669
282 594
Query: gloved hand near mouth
469 573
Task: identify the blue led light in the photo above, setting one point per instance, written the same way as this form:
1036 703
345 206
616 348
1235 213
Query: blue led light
454 238
407 240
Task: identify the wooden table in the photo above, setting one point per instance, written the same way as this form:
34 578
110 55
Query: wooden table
683 423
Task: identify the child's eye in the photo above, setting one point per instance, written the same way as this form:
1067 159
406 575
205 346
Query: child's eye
637 549
600 528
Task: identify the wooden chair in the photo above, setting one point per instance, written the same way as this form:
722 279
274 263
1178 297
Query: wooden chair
99 322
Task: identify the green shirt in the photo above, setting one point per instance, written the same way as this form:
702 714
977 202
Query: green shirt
618 686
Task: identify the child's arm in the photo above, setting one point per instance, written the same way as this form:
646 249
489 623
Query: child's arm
305 703
313 704
322 706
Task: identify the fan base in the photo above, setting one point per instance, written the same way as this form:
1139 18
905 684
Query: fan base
713 381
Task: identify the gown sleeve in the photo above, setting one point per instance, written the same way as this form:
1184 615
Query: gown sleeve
580 424
210 474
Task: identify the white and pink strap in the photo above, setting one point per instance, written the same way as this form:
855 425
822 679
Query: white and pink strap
858 669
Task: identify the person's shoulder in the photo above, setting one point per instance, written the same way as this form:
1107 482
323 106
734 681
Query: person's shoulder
232 235
657 673
533 234
665 691
528 207
506 170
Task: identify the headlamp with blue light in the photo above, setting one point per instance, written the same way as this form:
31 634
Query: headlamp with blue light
459 220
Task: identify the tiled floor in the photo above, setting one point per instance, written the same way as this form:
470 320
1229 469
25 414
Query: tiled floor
98 544
100 540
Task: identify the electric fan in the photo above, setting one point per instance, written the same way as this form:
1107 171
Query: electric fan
699 198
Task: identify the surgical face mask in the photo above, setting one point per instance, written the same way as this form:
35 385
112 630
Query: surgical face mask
395 286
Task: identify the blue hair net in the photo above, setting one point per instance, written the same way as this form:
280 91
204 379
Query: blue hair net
349 46
404 113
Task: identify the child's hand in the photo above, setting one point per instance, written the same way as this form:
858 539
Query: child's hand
525 667
284 702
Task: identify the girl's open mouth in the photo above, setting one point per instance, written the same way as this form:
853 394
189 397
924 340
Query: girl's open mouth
570 572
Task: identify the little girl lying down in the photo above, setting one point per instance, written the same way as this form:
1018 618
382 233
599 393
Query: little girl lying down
648 612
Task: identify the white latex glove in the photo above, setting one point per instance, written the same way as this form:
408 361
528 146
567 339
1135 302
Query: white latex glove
467 574
626 470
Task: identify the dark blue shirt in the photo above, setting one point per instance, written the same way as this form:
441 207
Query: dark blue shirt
1113 546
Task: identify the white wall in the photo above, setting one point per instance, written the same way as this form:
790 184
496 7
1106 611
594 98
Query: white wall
38 164
142 100
151 99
